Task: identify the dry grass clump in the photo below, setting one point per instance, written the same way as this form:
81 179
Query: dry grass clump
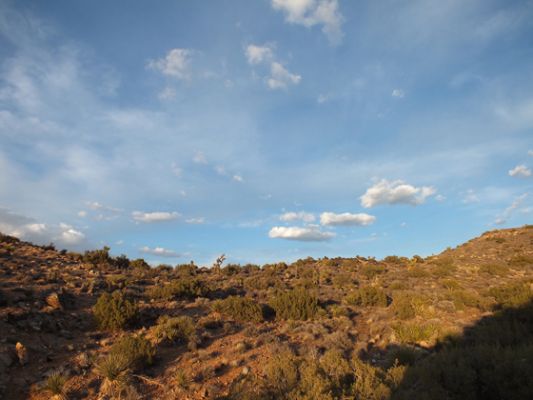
410 332
176 329
136 350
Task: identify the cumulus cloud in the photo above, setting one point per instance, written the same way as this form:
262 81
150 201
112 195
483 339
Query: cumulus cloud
313 12
520 171
280 77
395 192
69 235
398 93
346 219
175 64
307 234
297 216
159 251
29 229
258 54
157 216
237 178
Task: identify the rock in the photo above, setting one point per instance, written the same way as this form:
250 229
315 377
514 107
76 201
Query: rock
83 360
54 301
22 353
245 370
6 359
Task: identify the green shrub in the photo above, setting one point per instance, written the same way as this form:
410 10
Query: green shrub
512 295
466 298
370 271
185 270
182 288
114 311
176 329
114 370
418 272
136 350
493 269
367 296
402 306
297 304
239 308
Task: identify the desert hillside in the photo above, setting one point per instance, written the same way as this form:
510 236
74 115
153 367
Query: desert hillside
90 326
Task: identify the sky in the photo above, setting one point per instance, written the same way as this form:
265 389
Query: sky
267 130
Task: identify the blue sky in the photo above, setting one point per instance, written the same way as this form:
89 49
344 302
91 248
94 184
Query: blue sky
267 130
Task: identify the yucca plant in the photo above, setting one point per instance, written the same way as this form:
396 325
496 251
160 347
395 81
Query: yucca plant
55 386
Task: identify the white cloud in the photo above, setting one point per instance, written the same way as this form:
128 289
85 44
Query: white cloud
398 93
395 192
313 12
159 251
297 216
26 228
280 77
520 171
82 214
96 206
307 234
175 64
157 216
237 178
70 236
258 54
346 219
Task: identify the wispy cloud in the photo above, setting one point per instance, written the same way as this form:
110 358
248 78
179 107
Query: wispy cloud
156 216
159 251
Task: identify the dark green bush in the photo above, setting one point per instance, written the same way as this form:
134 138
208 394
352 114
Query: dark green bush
239 308
367 296
297 304
97 257
114 311
180 288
